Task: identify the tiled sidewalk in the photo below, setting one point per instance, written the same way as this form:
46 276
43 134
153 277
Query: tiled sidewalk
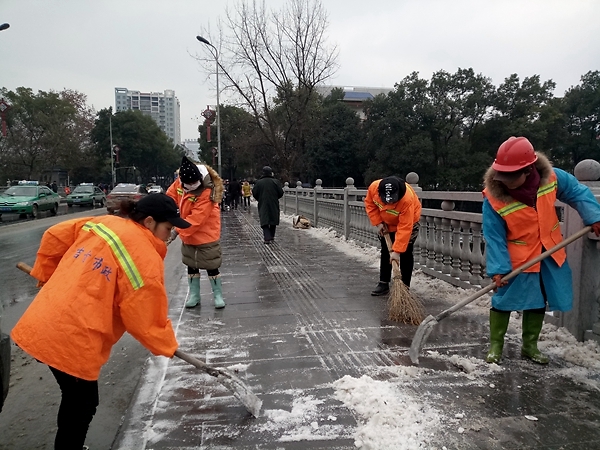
299 316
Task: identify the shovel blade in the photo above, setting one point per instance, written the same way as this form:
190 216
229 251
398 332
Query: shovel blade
241 391
420 338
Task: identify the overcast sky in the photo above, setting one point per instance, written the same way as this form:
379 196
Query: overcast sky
94 46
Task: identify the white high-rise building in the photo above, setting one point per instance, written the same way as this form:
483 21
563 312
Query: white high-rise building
163 107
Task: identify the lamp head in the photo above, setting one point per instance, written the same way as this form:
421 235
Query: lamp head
204 41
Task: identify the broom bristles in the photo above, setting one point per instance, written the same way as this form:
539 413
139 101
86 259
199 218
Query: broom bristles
403 306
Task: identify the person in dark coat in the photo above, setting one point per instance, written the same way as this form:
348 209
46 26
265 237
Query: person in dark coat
267 191
235 188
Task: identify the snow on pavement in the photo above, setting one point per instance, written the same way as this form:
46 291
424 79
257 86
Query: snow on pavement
390 416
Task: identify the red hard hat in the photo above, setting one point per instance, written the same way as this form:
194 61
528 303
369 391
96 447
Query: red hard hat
514 154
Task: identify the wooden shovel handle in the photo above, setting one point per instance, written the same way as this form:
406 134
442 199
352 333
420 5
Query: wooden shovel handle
24 267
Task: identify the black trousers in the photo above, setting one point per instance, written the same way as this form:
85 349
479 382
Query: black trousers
210 273
77 408
246 201
407 262
269 232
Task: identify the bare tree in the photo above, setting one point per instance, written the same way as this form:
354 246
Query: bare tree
272 61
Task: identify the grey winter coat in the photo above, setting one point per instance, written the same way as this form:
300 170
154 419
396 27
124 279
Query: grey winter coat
267 191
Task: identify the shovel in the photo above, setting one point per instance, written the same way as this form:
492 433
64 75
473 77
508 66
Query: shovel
427 325
240 390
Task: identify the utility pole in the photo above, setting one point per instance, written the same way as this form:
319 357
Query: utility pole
112 150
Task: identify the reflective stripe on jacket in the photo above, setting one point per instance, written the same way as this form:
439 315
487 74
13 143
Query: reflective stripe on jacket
103 276
528 229
203 214
399 217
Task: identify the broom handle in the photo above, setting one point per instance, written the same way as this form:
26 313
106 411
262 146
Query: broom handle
388 241
515 272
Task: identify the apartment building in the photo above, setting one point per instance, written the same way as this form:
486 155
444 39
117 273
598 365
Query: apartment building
163 107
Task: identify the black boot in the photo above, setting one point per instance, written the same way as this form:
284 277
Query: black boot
381 289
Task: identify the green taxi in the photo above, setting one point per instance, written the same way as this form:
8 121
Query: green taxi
86 194
28 199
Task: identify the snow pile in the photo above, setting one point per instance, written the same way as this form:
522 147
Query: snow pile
560 343
389 417
302 422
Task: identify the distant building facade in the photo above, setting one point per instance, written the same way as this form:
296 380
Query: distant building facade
192 149
163 107
355 96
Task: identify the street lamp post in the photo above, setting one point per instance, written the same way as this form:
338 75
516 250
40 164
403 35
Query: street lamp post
204 41
112 151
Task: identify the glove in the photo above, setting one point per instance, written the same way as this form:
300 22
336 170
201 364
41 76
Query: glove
381 229
394 256
498 281
596 228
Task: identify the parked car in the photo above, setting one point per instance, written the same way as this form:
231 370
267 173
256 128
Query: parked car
28 198
86 194
4 363
124 191
155 189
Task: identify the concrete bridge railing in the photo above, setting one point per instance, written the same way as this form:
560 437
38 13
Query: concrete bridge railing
450 245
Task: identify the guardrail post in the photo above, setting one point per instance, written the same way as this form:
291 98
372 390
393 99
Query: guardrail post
349 185
286 187
298 191
318 195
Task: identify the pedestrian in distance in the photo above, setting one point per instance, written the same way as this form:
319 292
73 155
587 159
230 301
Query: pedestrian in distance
520 223
393 204
246 194
267 191
99 277
54 187
198 191
235 189
226 200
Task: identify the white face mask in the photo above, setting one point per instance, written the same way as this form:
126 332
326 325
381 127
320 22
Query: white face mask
191 187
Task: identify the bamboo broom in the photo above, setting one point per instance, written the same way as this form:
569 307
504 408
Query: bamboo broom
402 306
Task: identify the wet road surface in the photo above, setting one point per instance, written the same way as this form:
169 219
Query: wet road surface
299 316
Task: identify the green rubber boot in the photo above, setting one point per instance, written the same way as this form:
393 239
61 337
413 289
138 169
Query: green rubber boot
532 326
194 291
498 326
215 283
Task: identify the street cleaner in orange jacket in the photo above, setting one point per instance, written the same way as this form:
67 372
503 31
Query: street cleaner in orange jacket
393 202
519 223
100 276
198 191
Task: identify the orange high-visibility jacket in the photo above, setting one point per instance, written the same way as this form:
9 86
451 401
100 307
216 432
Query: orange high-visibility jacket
528 229
103 276
399 217
203 214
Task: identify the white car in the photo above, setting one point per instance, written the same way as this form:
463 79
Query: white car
155 190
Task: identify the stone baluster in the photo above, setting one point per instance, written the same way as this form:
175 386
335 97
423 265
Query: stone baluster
476 255
423 241
437 245
456 250
446 234
465 254
430 242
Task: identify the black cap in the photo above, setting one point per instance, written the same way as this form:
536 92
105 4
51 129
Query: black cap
189 172
267 170
161 208
392 189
